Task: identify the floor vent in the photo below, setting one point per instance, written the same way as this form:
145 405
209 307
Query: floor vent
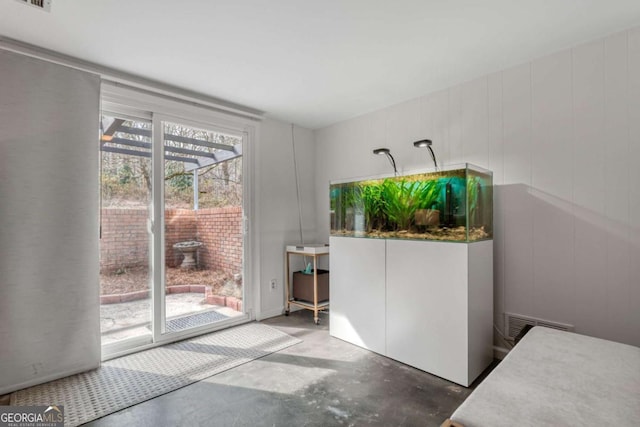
514 323
40 4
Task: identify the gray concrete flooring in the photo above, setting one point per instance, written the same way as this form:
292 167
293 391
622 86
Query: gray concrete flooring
322 381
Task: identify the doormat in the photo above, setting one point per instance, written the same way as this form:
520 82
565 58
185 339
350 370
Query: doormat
194 320
129 380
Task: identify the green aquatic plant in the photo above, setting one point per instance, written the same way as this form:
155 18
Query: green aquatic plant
372 203
388 204
351 205
334 194
350 197
341 205
473 195
400 202
427 194
427 198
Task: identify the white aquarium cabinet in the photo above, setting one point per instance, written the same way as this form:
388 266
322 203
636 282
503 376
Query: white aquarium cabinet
358 299
426 304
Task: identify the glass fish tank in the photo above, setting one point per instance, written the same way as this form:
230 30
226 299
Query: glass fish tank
453 204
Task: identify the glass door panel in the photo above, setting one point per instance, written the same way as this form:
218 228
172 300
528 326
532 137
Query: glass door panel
125 199
203 219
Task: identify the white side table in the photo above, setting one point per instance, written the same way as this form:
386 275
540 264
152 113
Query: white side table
310 250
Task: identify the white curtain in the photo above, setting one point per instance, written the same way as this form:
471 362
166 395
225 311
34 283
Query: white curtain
49 266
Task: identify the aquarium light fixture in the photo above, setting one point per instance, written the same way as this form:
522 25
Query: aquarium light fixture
387 153
427 143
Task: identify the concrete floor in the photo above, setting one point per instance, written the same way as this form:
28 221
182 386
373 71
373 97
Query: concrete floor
322 381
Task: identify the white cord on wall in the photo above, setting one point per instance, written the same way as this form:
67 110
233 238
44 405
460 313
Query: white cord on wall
295 168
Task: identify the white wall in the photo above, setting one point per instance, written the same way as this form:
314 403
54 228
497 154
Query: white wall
562 136
277 208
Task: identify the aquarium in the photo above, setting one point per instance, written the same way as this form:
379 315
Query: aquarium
452 204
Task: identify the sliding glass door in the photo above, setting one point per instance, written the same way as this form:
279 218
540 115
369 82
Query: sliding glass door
125 239
172 229
203 238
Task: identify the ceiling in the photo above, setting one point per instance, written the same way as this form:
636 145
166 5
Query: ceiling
314 62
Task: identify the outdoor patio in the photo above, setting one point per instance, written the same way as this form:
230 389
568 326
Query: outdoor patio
130 319
125 309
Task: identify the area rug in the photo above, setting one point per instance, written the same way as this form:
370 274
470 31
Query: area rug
129 380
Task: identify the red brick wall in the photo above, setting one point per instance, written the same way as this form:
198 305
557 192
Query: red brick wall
125 242
220 229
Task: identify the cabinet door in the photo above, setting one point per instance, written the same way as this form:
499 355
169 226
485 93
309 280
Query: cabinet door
427 306
357 290
480 307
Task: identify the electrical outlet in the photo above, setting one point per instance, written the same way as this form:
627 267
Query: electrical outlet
274 284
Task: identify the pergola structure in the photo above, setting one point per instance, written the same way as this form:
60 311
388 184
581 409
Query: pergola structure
194 159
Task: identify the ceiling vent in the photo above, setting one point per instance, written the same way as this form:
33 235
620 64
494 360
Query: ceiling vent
40 4
514 323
